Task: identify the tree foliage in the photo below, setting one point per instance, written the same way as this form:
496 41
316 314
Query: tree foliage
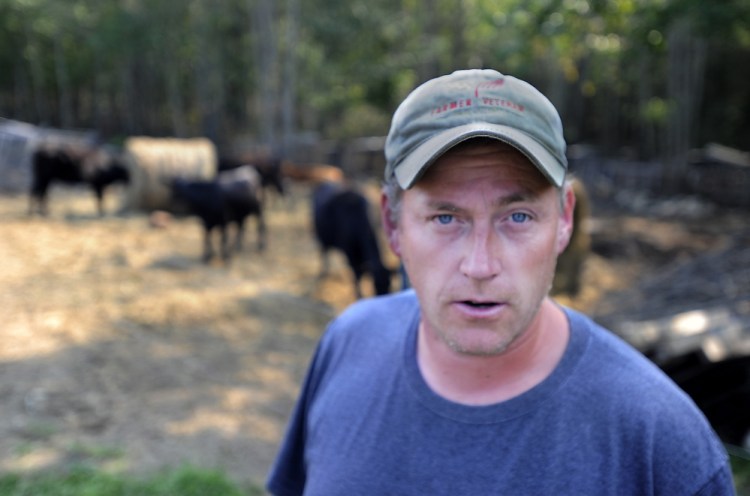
270 69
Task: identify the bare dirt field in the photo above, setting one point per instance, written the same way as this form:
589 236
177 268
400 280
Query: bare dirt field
121 349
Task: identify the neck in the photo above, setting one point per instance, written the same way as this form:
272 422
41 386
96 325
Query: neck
484 380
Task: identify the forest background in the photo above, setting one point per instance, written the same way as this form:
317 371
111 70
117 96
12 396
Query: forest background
648 78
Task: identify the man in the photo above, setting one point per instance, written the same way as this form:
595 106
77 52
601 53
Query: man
475 382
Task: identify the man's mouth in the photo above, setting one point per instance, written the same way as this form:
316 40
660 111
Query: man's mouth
479 304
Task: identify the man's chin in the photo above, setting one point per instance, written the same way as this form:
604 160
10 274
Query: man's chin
481 343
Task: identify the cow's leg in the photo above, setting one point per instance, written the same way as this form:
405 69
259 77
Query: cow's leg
208 250
38 197
357 273
261 231
99 193
239 235
33 204
43 204
226 253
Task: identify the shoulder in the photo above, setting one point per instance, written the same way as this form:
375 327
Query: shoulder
616 374
638 397
364 344
372 324
641 406
610 352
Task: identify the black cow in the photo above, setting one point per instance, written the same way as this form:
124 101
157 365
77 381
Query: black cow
720 389
342 221
97 167
228 200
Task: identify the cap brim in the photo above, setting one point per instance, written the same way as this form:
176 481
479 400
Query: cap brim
415 164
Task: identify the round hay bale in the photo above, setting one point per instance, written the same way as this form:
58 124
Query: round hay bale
155 162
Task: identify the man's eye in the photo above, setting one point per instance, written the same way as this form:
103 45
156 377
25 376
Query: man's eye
444 219
520 217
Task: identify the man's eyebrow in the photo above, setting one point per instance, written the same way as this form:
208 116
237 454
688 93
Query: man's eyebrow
518 197
443 205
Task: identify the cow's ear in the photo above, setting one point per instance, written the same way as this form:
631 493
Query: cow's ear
390 225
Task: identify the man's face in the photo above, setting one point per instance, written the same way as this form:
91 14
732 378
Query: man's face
479 236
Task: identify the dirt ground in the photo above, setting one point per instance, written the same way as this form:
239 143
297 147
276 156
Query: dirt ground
122 350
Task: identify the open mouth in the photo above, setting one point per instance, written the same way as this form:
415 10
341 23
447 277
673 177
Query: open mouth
479 304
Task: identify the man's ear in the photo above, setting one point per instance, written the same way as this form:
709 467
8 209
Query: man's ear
566 224
390 226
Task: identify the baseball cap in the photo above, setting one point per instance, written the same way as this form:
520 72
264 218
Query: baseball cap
474 103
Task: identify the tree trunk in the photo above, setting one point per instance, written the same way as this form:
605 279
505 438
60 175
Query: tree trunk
175 99
127 101
290 78
430 63
265 58
459 53
648 130
21 98
208 73
36 73
67 119
685 73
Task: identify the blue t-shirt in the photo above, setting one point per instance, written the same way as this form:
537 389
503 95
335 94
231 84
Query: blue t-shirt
607 421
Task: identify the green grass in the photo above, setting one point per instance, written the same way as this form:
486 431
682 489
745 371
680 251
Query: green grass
741 470
82 481
190 481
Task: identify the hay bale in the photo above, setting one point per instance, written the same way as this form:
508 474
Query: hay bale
155 162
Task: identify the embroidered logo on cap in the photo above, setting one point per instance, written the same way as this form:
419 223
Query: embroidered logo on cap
479 100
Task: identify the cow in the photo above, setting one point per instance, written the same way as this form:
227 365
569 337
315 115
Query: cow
227 200
721 390
341 220
269 168
313 174
98 167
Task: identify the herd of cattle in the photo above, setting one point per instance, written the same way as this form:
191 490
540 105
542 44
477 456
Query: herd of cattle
224 202
341 219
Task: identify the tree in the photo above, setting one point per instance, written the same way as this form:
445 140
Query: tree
626 73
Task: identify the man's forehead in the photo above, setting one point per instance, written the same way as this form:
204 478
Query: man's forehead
488 154
482 146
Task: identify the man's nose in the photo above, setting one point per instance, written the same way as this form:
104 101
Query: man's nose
481 260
